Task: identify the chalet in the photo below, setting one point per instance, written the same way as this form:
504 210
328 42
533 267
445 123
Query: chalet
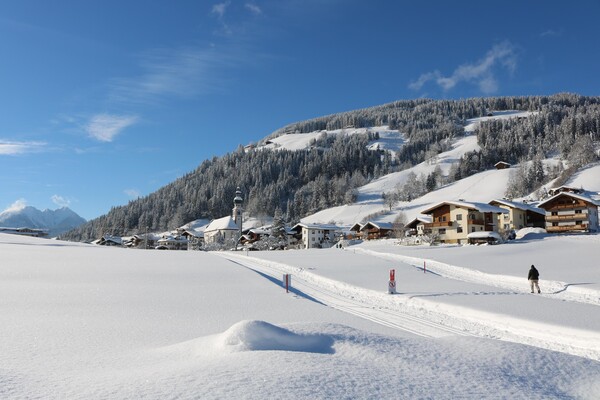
195 237
172 242
570 212
416 227
317 235
454 220
355 231
519 216
502 165
109 240
376 230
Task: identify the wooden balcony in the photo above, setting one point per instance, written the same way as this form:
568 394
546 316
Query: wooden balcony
566 228
565 217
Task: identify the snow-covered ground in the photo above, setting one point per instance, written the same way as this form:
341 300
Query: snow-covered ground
80 321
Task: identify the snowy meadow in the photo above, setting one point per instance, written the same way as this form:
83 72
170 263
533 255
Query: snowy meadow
81 321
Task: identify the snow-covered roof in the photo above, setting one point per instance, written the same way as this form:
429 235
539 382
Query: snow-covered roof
378 225
330 227
222 224
471 205
426 219
574 195
519 206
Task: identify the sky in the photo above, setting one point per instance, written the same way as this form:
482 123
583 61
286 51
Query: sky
106 101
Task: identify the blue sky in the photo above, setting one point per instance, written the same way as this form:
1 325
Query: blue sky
105 101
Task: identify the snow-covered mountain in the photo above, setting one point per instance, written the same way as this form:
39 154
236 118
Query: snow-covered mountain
55 221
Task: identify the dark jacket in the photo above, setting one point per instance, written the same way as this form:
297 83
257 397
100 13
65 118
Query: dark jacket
533 275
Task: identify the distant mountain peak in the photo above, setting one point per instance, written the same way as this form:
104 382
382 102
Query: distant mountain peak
55 221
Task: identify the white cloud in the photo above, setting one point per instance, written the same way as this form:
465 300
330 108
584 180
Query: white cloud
480 73
105 127
552 33
60 201
133 193
13 148
17 205
219 9
254 9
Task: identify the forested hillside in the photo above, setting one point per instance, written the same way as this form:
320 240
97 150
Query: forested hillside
303 182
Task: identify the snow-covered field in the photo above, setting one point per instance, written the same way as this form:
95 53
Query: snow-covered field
82 322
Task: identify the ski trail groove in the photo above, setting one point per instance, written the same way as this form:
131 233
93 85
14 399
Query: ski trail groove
369 310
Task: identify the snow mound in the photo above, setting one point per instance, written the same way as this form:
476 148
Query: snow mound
261 335
531 233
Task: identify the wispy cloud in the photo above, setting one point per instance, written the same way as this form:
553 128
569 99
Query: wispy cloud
16 206
133 193
104 127
480 73
219 9
60 201
253 8
182 72
551 33
13 148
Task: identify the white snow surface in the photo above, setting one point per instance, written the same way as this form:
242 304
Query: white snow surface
80 321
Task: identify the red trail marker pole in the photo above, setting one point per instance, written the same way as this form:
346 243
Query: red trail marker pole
392 282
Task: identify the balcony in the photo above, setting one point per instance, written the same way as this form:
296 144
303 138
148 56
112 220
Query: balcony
565 217
566 228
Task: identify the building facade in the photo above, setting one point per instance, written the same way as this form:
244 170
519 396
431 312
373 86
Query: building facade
452 221
570 212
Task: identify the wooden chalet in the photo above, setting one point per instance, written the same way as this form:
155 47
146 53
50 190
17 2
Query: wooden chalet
570 212
454 220
376 230
502 165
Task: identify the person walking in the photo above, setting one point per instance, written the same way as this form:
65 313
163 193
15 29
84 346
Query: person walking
533 278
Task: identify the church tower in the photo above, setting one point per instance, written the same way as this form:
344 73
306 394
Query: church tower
238 209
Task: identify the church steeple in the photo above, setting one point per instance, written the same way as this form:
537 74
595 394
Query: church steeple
237 208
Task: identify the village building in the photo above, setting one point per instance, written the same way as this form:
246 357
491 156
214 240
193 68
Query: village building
416 227
568 211
227 229
317 235
172 242
355 231
376 230
502 165
454 220
519 216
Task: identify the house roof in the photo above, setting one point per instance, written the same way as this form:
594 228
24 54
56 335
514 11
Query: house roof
426 219
471 205
519 206
574 195
356 227
329 227
502 163
222 224
378 225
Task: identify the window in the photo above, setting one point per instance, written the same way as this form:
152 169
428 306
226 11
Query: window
554 212
442 231
577 211
459 217
578 222
472 229
459 229
555 224
444 218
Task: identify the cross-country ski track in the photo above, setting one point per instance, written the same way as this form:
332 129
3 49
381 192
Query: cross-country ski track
421 317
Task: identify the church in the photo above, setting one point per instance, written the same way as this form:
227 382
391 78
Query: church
227 229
